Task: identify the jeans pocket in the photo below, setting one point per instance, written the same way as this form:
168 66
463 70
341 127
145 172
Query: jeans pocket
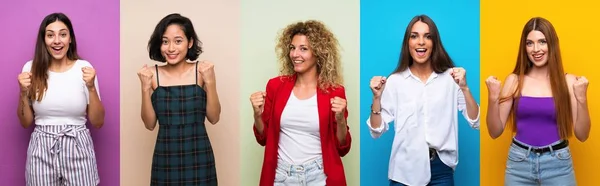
563 154
516 154
280 176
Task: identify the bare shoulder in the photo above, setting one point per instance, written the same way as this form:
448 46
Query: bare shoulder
570 78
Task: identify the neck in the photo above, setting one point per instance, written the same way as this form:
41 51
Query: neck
307 79
60 64
539 72
179 67
421 70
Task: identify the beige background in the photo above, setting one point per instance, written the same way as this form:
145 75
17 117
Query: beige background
261 22
218 27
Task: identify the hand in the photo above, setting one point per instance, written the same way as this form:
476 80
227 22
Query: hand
377 85
493 85
258 102
206 70
338 106
145 75
24 81
89 74
580 89
459 75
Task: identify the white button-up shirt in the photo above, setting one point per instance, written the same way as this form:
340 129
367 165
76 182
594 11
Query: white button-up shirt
425 116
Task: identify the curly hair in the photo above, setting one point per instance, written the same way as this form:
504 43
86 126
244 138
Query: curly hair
324 46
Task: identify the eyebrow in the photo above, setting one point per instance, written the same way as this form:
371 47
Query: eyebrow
176 37
64 29
418 33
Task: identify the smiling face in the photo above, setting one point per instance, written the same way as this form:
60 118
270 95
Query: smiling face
57 39
175 44
301 54
420 43
537 48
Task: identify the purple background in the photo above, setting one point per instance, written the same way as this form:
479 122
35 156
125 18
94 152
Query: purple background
96 26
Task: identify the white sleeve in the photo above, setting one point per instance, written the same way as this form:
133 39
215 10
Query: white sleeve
388 110
462 106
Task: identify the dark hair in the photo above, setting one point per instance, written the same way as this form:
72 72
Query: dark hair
558 82
186 25
42 57
440 60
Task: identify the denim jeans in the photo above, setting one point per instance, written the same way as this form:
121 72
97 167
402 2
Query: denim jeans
308 174
441 174
525 167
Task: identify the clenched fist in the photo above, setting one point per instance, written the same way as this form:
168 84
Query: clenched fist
145 75
493 85
258 102
24 81
206 70
459 75
89 74
377 85
338 106
580 89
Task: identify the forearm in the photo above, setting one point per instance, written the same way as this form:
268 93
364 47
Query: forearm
95 109
472 107
582 122
148 115
259 124
375 119
494 123
342 131
213 106
24 111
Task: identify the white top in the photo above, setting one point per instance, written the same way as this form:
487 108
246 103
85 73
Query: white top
425 116
66 99
299 139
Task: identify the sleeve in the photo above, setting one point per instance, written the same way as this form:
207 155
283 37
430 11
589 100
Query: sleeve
462 106
345 148
267 112
388 110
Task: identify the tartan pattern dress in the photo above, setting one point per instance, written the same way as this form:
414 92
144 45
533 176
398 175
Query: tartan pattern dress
183 154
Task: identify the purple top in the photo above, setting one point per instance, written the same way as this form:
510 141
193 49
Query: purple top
536 121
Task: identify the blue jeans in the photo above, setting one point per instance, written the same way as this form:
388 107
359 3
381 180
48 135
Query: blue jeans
525 167
441 174
308 174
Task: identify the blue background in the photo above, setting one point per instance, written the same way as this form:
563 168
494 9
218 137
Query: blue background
382 27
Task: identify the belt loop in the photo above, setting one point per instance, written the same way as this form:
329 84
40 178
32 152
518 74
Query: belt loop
319 164
528 151
289 170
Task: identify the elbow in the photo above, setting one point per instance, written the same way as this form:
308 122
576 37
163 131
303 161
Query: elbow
214 120
26 124
150 128
98 123
582 137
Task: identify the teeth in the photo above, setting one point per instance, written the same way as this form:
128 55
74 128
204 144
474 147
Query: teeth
297 61
421 50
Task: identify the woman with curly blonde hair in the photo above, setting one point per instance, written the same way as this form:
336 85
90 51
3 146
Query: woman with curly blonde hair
303 111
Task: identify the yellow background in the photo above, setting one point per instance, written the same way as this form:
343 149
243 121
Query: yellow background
576 24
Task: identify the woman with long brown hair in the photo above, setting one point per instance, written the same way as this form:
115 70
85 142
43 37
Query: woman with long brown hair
545 107
58 91
301 118
423 97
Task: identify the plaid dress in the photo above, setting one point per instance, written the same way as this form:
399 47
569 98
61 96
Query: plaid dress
183 154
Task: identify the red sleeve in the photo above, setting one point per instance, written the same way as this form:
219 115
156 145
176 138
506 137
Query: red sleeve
267 112
345 148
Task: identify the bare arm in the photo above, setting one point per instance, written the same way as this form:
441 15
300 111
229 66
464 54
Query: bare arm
472 107
498 113
148 114
581 115
24 111
213 106
95 109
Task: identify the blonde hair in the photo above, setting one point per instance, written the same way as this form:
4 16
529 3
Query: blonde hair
324 46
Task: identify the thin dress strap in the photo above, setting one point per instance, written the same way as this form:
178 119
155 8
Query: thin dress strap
156 67
196 72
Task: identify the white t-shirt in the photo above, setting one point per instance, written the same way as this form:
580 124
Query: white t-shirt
66 99
299 138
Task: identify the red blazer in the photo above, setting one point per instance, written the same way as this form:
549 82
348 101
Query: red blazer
278 93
